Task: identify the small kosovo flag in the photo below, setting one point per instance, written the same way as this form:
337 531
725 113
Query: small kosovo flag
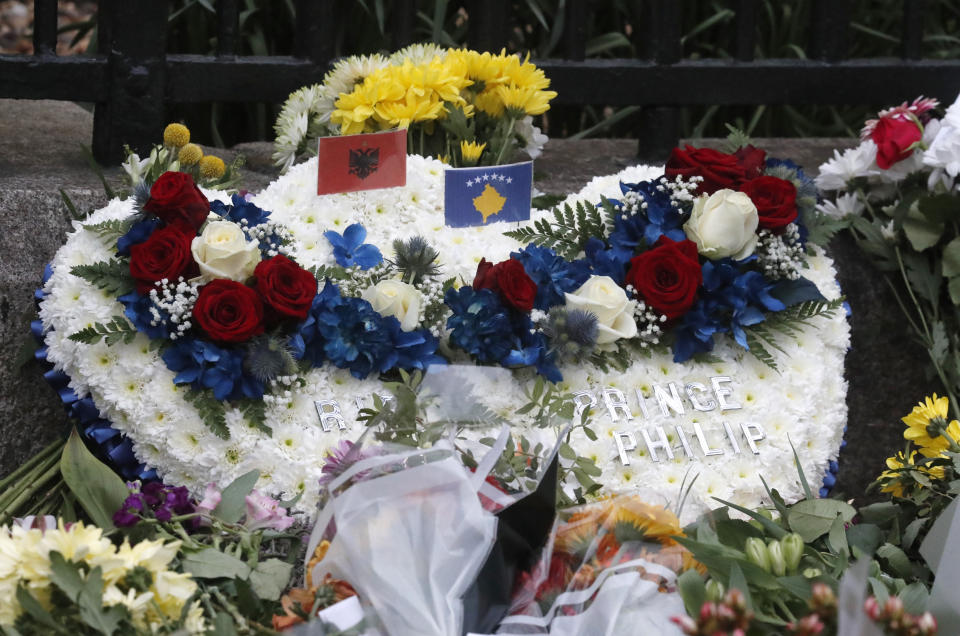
487 194
362 162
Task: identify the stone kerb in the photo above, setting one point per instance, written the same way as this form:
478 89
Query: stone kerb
40 154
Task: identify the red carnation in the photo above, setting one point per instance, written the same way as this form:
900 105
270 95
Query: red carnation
285 286
177 201
509 280
895 137
718 169
228 311
776 201
166 254
667 276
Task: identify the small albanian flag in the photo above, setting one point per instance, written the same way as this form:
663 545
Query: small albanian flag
487 194
362 162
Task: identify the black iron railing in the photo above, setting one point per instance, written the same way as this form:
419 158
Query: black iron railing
133 78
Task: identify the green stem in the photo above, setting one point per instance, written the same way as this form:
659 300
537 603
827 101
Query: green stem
28 480
786 610
10 510
506 139
30 464
421 139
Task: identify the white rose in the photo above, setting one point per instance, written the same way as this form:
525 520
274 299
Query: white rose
396 298
723 224
609 303
223 251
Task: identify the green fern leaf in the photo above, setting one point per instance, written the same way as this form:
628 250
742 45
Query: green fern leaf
255 413
112 276
117 330
210 410
110 230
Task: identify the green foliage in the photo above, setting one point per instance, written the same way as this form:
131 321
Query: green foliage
255 413
232 506
821 228
111 276
110 230
567 233
96 487
211 411
117 330
787 323
333 272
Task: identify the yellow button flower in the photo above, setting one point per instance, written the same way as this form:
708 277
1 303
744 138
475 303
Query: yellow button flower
190 155
176 135
212 167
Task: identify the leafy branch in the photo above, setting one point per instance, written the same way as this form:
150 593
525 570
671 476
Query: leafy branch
788 322
112 276
110 230
568 232
118 329
211 411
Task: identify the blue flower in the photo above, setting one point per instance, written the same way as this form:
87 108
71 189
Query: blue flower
140 311
240 210
695 332
349 248
659 217
606 262
413 349
203 364
553 275
479 324
138 233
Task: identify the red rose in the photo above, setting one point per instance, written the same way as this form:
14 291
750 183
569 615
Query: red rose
177 200
752 160
776 201
508 279
285 286
166 254
228 311
667 276
894 137
718 169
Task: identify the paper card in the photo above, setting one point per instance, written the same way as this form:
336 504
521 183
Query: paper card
487 194
362 162
343 615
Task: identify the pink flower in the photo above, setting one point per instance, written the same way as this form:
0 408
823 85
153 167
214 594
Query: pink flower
211 499
265 512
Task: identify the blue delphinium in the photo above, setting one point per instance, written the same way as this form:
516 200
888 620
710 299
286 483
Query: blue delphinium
479 322
349 333
610 262
553 275
140 311
660 216
349 248
239 211
203 364
138 233
730 300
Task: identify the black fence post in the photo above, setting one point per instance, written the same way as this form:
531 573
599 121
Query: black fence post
659 127
133 36
315 30
487 24
404 13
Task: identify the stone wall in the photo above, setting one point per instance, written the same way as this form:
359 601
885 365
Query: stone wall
40 154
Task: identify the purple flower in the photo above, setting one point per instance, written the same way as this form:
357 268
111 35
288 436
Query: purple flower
129 513
265 512
152 500
340 458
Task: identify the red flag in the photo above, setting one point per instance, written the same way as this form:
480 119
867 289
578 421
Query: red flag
362 162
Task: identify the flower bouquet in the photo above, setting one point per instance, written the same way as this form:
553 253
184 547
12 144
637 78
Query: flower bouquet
897 192
466 107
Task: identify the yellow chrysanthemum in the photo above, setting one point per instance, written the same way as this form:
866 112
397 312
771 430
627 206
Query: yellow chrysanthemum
489 102
525 99
402 113
656 522
176 135
212 167
471 151
355 111
927 426
525 75
891 478
190 155
483 69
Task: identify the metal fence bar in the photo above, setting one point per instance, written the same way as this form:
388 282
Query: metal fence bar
401 23
132 112
228 23
912 39
658 129
576 14
829 23
315 30
746 27
487 24
45 27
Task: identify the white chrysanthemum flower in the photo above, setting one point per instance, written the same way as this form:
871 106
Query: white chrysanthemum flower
943 156
419 53
533 138
854 162
846 204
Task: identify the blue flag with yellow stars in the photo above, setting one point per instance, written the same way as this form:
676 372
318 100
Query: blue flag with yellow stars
487 194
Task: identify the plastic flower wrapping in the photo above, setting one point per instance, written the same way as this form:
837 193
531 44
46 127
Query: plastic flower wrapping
467 107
